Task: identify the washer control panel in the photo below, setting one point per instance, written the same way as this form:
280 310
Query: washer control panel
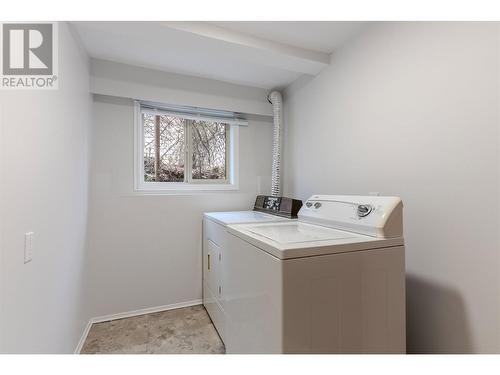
375 216
364 210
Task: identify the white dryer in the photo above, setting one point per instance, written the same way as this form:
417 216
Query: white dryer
266 210
331 282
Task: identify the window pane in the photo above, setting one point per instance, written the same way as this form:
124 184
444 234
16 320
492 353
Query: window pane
209 150
163 140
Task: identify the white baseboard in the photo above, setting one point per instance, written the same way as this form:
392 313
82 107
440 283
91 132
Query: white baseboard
129 314
83 337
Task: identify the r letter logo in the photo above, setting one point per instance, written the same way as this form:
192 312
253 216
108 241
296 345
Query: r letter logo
29 56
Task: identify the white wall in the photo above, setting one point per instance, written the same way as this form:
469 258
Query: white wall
128 81
411 109
44 164
145 250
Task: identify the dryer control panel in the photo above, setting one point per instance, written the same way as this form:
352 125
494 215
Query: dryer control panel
280 206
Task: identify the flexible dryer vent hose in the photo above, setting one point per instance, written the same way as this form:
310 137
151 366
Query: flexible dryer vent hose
276 100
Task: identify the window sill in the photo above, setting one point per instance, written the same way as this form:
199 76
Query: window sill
183 188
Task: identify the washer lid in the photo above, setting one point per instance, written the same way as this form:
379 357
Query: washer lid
287 240
296 232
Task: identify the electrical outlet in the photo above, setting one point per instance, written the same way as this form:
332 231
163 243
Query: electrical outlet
28 247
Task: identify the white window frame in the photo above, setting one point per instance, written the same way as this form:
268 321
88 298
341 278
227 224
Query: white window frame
190 185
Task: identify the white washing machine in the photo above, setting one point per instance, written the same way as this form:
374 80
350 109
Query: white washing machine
266 210
331 282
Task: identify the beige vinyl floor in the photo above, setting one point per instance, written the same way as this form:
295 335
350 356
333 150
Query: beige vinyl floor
187 330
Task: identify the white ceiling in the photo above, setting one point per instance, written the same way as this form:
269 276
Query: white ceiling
260 54
313 35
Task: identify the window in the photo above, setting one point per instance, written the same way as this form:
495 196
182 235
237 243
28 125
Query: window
182 148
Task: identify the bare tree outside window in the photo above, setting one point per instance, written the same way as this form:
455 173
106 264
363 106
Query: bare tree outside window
209 150
166 142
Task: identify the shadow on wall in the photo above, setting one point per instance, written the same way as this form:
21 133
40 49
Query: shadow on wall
428 305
